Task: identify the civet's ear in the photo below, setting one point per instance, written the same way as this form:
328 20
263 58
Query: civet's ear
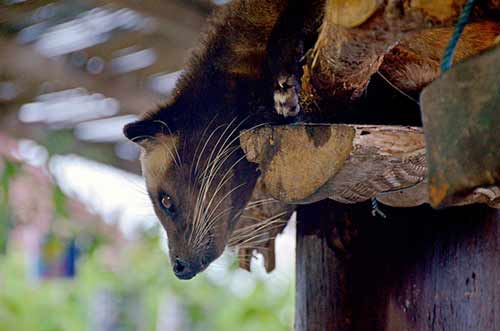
141 131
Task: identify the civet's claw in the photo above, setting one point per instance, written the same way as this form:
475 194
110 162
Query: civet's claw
286 96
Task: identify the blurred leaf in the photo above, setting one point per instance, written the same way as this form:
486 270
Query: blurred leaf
60 203
98 152
59 142
139 276
10 170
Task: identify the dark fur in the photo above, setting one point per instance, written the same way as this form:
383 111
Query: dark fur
226 80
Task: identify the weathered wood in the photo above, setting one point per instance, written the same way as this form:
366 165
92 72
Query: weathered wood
352 13
322 296
356 35
428 270
461 115
421 270
305 163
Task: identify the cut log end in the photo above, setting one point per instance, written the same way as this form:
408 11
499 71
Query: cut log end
347 163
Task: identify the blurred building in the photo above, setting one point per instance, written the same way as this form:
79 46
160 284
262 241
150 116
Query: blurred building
75 66
39 220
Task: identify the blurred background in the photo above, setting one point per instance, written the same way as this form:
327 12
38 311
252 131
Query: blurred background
80 248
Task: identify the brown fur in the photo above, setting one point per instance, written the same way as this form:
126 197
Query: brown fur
221 87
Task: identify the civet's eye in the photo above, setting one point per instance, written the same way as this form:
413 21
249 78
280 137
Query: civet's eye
167 204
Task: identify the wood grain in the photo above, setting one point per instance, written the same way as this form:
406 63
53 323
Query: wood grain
422 270
305 163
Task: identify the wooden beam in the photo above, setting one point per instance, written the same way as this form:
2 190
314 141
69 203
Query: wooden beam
307 163
26 64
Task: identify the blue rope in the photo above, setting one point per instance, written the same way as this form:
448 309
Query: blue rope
447 59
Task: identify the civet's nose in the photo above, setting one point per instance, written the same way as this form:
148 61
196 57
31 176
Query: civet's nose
183 270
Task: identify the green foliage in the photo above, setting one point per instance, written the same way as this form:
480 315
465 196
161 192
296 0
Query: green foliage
59 142
140 275
60 203
64 142
10 170
46 306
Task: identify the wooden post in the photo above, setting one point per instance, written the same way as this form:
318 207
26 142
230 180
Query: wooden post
322 295
419 269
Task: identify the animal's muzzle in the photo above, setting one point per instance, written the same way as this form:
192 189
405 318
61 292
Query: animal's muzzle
184 270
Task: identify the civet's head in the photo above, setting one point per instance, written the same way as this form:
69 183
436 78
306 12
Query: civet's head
198 180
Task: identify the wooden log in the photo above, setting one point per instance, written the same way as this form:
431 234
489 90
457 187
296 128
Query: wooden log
423 270
352 13
322 294
427 270
356 35
300 162
305 163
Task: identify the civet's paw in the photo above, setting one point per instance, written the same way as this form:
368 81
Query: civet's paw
286 95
